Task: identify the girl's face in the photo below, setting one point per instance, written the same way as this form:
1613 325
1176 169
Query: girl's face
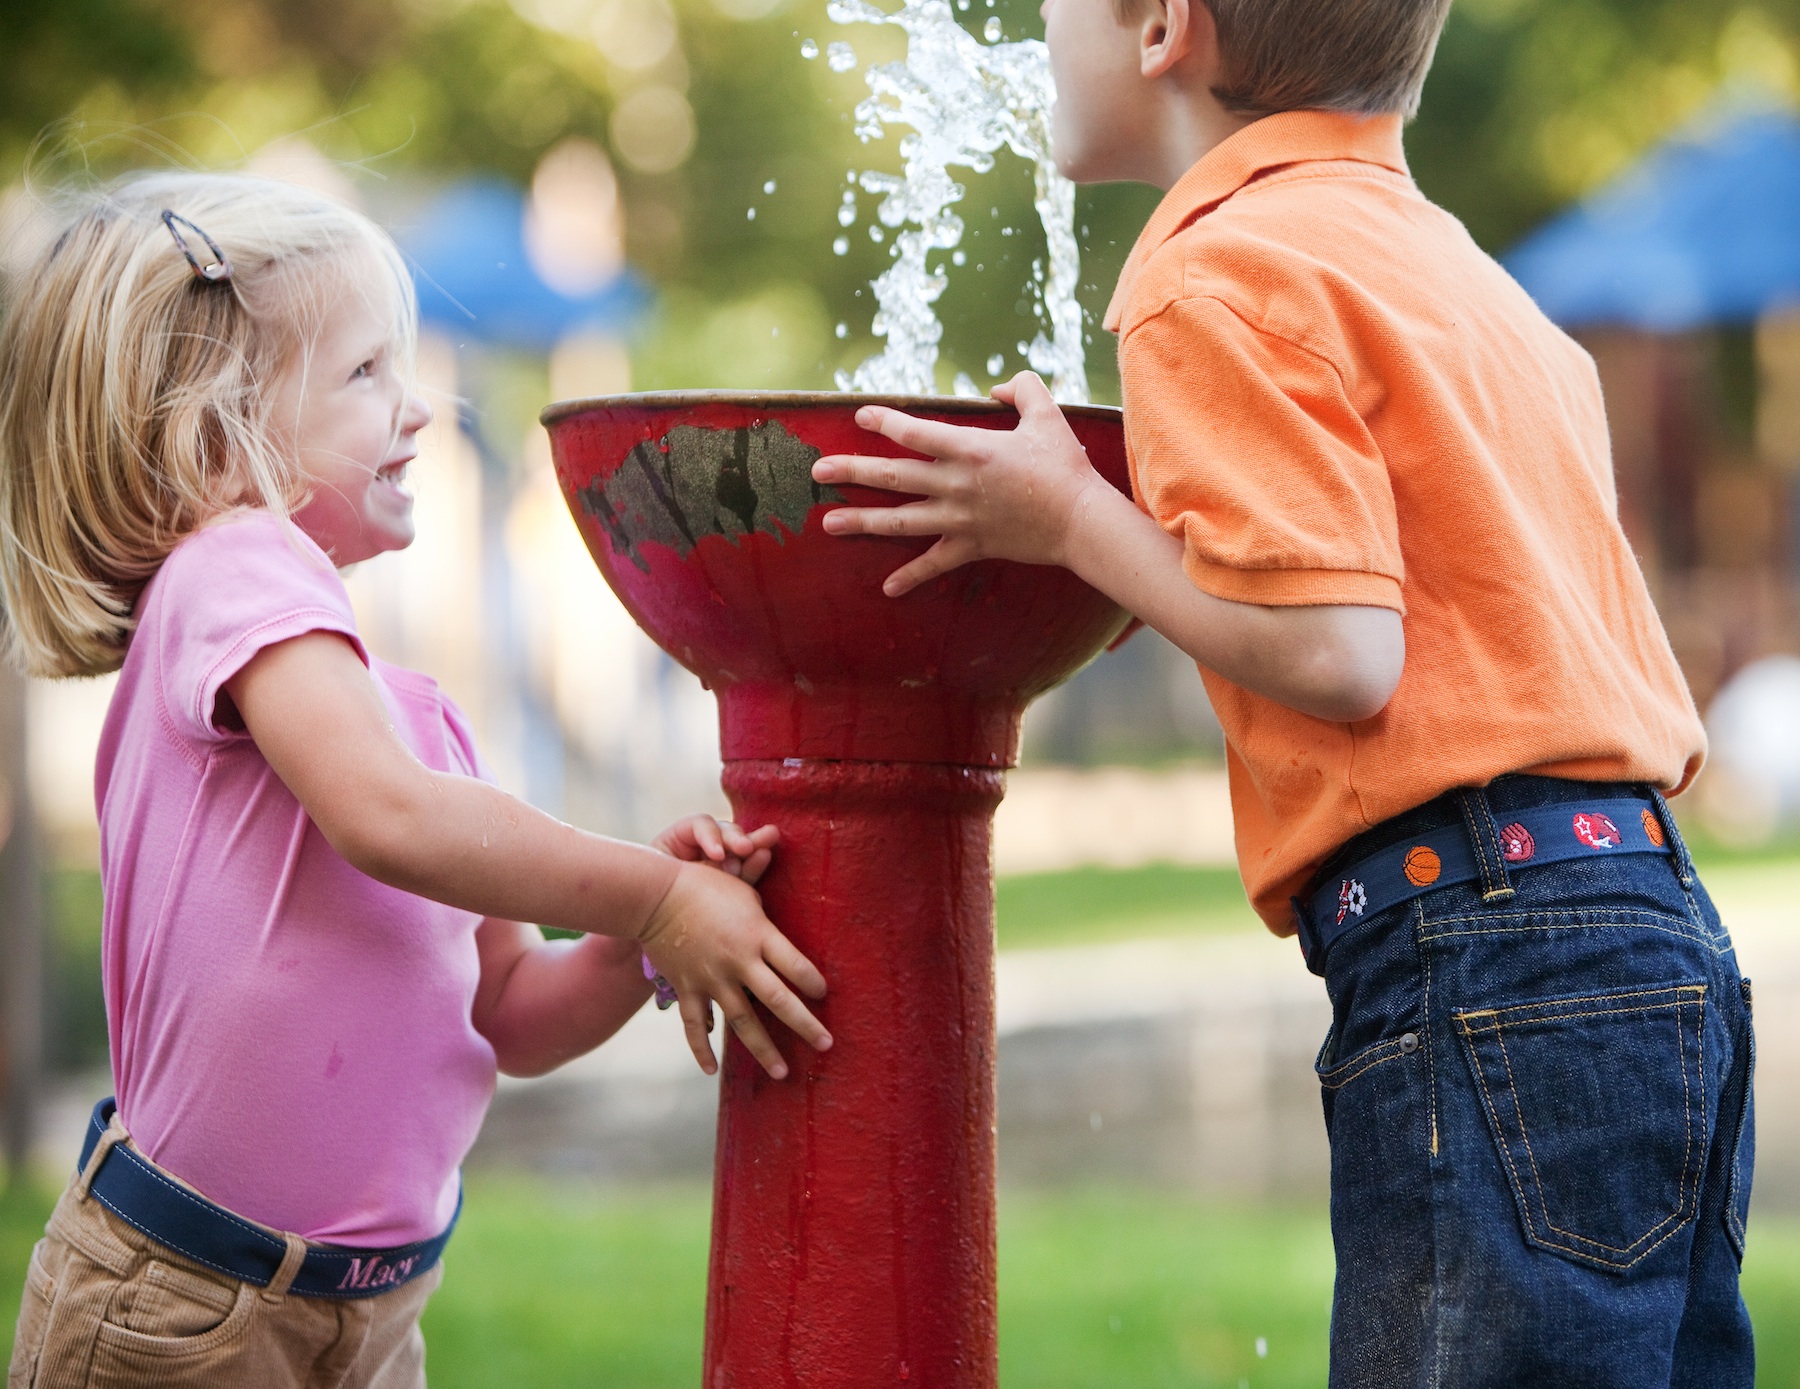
355 420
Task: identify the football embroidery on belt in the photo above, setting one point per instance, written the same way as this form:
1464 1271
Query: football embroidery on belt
1596 831
1352 899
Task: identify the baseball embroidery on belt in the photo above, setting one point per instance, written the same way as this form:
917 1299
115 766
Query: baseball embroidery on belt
1653 829
1423 866
1596 831
1516 843
1352 899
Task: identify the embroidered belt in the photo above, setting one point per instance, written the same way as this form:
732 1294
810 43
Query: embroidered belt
143 1196
1572 829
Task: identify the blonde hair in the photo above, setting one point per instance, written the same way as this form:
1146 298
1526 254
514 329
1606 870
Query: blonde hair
136 397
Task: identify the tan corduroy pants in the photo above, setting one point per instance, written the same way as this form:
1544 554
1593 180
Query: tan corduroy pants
109 1308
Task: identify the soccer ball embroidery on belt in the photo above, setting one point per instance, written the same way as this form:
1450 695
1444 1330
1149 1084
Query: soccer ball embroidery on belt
1352 899
1596 831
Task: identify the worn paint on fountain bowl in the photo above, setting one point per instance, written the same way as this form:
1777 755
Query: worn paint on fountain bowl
695 482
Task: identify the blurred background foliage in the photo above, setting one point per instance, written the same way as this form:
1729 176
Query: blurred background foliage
703 103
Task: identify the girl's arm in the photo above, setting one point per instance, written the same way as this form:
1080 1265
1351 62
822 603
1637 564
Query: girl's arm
541 1003
318 719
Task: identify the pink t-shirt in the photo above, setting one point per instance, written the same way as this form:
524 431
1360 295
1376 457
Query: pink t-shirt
290 1036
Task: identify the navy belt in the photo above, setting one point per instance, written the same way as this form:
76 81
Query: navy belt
1444 857
146 1198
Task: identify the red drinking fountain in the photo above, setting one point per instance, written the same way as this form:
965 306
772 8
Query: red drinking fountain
853 1217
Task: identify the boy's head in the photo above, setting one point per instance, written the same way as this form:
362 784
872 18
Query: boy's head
1213 65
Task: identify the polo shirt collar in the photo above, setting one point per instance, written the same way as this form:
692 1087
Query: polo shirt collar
1288 137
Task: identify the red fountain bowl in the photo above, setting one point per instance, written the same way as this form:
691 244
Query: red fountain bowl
700 509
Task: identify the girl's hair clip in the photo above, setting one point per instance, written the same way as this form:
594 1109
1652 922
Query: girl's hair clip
218 271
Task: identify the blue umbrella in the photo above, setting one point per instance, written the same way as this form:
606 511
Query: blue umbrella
1706 229
467 249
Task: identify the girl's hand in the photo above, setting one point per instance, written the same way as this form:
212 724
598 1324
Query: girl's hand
700 838
988 494
709 938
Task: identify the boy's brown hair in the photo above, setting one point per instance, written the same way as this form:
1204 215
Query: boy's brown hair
1368 57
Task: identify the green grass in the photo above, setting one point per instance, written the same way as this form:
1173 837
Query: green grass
1085 906
563 1286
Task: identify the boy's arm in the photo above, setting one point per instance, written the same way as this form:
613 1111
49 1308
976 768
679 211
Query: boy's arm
1031 495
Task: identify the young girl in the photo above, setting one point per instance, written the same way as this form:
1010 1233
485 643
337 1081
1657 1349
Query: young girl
313 953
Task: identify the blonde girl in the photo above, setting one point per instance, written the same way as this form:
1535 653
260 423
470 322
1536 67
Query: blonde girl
313 955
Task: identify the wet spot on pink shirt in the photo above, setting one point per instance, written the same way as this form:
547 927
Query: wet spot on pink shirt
334 1063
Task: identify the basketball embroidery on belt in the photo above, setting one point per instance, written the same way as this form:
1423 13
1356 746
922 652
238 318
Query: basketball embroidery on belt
1423 866
1516 843
1352 898
1596 831
1653 829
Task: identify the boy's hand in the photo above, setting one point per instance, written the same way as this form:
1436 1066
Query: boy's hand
700 838
989 494
709 938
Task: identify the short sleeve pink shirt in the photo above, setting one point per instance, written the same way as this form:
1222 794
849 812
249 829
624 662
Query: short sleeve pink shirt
289 1035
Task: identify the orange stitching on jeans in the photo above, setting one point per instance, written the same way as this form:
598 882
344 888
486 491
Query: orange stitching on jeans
1335 1083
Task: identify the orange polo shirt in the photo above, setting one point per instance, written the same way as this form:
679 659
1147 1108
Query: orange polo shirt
1332 395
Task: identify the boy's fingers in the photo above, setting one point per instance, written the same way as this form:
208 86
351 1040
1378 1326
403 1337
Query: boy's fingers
929 437
755 866
885 474
941 558
785 1004
696 1022
742 1019
739 844
916 518
708 837
765 836
1028 394
785 957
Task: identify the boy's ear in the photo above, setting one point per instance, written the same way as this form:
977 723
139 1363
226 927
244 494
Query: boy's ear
1173 31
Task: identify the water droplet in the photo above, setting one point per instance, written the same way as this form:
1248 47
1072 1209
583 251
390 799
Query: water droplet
1006 231
1262 1347
749 214
964 385
841 246
875 233
958 258
774 332
847 214
1113 1324
843 329
991 31
996 364
808 49
769 187
840 57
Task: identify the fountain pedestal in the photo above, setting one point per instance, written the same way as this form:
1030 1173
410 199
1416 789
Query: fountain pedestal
853 1222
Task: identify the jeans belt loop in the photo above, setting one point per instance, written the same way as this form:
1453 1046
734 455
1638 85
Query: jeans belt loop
1478 817
115 1133
278 1287
1681 858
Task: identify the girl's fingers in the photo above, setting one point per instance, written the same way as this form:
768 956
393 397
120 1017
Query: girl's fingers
780 952
755 866
742 1019
765 836
785 1004
886 474
707 835
696 1022
739 844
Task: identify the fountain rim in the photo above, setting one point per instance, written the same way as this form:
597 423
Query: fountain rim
560 410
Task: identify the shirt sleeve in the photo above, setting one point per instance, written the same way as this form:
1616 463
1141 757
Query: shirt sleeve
228 591
1248 448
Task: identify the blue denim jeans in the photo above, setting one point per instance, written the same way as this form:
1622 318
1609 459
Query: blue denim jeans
1538 1093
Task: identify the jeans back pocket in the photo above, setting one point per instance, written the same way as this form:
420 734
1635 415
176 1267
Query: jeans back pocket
1598 1108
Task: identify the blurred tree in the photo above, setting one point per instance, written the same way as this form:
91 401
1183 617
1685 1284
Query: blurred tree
706 103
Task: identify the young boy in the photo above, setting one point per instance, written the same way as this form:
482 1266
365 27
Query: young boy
1378 511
